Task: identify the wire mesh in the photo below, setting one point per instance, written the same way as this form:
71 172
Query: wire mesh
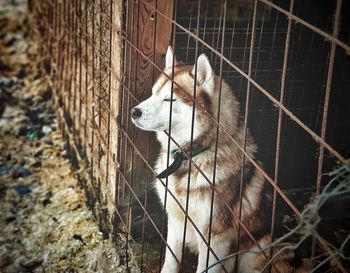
287 64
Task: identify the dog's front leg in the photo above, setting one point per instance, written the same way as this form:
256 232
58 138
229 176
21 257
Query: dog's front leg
174 241
221 246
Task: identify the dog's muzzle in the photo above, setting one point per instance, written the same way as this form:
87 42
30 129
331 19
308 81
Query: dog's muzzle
135 113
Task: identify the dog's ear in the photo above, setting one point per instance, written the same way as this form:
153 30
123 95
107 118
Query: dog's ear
169 58
204 70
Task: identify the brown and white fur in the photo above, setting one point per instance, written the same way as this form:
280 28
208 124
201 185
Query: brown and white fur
153 115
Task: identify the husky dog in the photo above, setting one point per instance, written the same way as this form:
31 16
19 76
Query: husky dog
170 108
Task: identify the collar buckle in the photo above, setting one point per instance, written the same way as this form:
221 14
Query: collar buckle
179 158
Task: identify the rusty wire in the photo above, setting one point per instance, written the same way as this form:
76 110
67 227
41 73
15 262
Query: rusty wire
69 35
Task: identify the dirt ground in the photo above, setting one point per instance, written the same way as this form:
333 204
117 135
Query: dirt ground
44 222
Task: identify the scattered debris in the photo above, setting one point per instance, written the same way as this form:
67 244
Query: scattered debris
79 238
47 200
15 170
4 169
44 222
31 266
31 135
22 189
20 171
46 129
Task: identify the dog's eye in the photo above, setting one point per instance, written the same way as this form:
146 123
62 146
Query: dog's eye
169 99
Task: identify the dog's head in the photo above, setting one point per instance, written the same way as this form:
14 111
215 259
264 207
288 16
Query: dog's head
173 96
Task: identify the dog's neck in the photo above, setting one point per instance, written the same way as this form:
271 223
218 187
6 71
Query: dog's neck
181 156
196 145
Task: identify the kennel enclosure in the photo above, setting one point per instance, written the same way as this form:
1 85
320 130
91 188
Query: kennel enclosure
287 62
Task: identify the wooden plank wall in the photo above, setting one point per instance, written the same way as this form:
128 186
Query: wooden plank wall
148 35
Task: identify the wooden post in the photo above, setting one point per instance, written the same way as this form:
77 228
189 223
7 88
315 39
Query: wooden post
148 36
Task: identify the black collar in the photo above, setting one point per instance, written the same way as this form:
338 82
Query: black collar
179 158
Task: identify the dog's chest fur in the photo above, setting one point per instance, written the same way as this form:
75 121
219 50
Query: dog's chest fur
195 192
185 187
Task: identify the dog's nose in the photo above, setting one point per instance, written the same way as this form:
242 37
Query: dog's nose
135 113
